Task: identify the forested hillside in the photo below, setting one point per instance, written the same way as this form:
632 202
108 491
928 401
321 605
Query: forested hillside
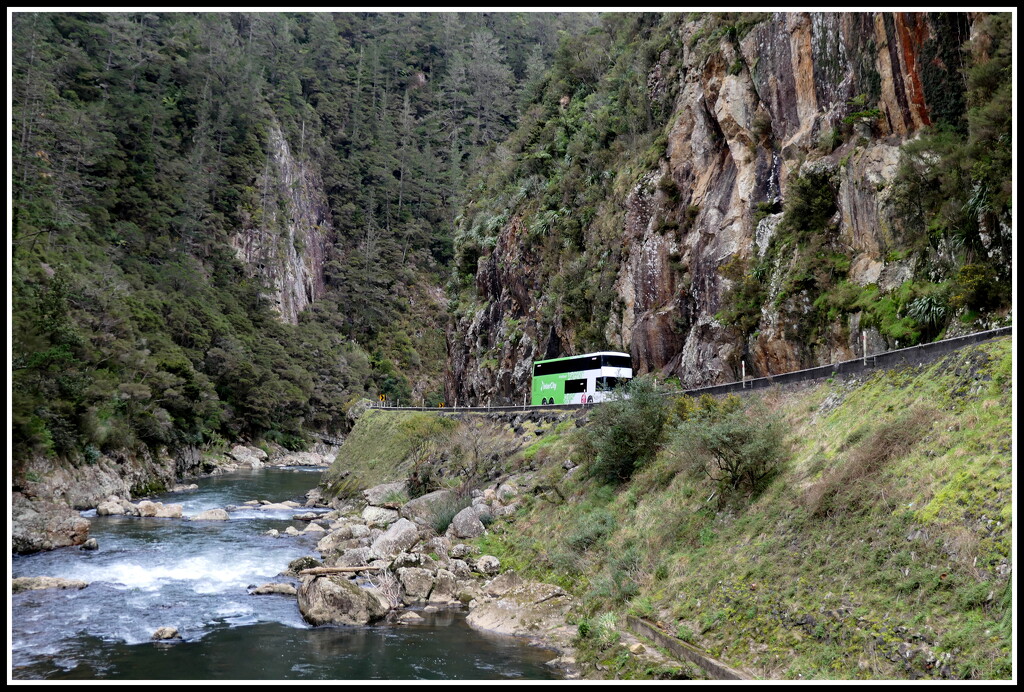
233 225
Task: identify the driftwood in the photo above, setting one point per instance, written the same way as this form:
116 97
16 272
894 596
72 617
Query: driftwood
317 571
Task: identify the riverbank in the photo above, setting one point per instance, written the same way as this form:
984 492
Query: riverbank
48 496
202 579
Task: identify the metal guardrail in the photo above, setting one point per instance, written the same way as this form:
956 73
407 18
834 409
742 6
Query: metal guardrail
912 355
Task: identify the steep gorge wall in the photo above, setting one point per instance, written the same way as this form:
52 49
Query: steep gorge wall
285 242
750 118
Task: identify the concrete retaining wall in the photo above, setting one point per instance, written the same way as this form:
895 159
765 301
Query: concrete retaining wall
716 670
914 355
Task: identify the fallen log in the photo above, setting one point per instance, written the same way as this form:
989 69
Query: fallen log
318 571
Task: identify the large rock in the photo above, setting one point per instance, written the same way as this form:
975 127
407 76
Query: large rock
165 633
445 588
19 584
504 583
401 536
40 525
416 583
530 609
414 560
249 456
422 509
380 516
488 565
158 509
460 568
302 459
113 506
332 542
466 524
301 563
360 530
353 557
211 515
439 546
387 494
334 600
460 551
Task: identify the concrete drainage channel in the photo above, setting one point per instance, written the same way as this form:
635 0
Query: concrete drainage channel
716 670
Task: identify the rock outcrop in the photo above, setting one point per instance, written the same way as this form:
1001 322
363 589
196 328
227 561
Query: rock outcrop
286 244
752 114
529 609
41 525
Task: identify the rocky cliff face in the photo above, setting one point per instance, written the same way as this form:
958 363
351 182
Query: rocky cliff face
285 241
753 115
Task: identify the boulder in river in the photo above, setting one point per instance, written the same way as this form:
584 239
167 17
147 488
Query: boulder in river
158 509
211 515
19 584
91 544
334 600
248 456
445 588
165 633
416 582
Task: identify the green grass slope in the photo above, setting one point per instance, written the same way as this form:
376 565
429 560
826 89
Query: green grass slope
382 447
881 547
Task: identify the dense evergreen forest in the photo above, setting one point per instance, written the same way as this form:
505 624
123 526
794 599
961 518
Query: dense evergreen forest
140 147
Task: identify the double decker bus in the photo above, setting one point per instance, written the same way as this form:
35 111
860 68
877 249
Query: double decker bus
585 379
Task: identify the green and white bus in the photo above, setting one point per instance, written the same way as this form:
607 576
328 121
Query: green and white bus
585 379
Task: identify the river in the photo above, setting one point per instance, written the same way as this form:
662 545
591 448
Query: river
149 573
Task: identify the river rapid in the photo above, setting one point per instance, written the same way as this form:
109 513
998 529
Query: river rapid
150 573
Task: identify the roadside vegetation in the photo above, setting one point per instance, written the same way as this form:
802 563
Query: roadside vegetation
845 530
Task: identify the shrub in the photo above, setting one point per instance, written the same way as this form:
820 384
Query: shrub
976 287
625 433
737 449
590 528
